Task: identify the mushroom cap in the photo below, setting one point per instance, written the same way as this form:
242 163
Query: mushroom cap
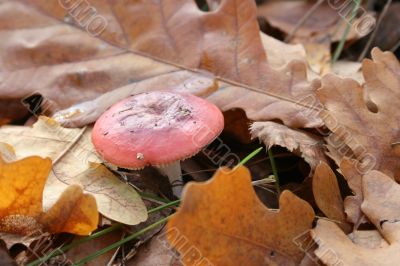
156 128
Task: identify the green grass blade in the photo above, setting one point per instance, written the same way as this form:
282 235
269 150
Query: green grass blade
250 156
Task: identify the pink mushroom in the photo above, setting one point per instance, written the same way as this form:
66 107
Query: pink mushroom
158 128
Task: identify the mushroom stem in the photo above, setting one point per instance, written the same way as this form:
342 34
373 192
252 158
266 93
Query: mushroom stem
174 173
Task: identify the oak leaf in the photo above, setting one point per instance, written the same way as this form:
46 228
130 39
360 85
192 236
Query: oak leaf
352 203
135 51
381 205
327 195
308 145
355 114
75 162
223 222
225 42
21 212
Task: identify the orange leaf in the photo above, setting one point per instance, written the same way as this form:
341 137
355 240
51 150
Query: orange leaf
327 195
73 212
21 186
223 221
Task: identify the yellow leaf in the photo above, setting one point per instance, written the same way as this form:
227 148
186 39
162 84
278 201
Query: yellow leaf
21 186
21 212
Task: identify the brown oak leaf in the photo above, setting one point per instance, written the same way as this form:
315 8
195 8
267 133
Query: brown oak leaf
366 119
223 222
381 205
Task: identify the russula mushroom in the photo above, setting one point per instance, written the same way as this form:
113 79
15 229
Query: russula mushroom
159 129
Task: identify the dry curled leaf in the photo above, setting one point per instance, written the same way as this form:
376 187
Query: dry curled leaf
75 162
237 229
381 205
21 211
308 145
225 42
355 114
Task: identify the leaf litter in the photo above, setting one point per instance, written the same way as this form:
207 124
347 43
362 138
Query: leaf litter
350 124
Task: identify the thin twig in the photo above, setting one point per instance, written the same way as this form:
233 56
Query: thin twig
303 20
373 34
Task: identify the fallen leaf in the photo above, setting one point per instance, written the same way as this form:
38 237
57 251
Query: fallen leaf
75 162
381 204
348 69
217 41
323 27
87 112
69 209
273 48
90 247
318 55
225 42
308 145
21 212
327 195
156 252
326 22
352 204
355 114
336 149
368 239
22 184
222 222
